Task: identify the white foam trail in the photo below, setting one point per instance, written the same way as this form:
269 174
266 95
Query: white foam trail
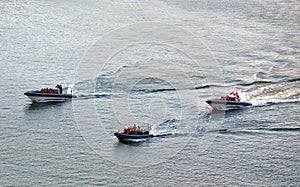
272 101
161 132
138 140
244 96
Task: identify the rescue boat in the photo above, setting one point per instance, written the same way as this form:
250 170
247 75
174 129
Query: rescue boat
49 94
229 102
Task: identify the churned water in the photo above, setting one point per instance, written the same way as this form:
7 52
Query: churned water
153 64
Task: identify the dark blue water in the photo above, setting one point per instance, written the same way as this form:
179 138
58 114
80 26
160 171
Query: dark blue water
153 64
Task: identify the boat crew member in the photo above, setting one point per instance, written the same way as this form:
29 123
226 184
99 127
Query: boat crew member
134 127
237 96
60 88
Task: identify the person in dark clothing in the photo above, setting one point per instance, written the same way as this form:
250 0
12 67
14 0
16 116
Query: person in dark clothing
59 87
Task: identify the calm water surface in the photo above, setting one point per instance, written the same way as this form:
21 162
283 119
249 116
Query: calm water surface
150 63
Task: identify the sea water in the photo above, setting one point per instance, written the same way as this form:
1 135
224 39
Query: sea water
153 64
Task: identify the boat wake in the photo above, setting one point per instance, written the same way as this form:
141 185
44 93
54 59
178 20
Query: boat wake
257 103
279 93
137 140
169 127
92 95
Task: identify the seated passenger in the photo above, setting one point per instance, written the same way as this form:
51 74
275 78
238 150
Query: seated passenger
140 130
237 96
134 127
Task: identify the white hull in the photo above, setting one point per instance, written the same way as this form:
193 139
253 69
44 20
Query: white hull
37 96
227 105
219 106
44 98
